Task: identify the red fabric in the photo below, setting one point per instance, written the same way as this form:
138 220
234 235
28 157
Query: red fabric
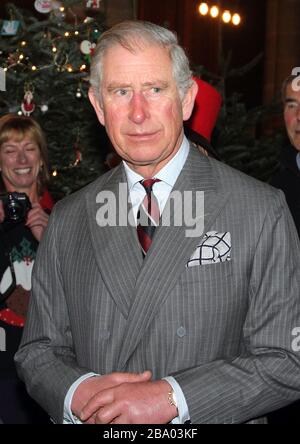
46 201
207 106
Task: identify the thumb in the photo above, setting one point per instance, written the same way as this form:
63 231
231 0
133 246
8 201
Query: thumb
138 377
146 375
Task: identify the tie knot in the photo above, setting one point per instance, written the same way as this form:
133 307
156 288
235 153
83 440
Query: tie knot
148 184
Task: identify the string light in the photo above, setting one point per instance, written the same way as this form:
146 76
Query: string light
54 49
23 43
236 19
226 16
203 8
67 34
54 173
82 68
214 11
33 68
76 32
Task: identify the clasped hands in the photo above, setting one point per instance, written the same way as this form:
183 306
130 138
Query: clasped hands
123 398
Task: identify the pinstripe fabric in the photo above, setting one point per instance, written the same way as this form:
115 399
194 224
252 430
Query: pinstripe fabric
223 330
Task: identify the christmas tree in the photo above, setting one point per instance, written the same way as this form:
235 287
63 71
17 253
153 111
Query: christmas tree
46 63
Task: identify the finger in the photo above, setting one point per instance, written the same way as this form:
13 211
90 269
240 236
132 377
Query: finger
107 414
121 378
118 420
37 219
99 400
37 223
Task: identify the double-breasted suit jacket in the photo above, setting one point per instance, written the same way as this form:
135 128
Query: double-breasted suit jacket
223 326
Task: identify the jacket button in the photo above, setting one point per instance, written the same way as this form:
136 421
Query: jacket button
181 332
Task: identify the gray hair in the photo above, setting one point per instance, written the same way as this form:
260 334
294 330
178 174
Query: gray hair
285 84
132 35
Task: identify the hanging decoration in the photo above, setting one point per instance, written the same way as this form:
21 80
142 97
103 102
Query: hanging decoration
10 27
43 6
93 4
28 105
87 48
61 61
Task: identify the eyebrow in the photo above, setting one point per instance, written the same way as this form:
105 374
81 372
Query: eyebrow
115 85
290 100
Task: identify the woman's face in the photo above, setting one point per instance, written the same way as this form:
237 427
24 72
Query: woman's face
20 162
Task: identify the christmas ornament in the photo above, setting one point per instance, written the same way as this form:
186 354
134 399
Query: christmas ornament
43 6
28 106
87 48
10 27
61 60
44 108
93 4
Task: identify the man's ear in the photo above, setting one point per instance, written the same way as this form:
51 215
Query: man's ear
95 101
189 100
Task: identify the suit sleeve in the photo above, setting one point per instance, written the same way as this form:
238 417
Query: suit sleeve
266 375
46 359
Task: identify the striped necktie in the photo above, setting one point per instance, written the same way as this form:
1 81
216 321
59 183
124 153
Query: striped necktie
148 216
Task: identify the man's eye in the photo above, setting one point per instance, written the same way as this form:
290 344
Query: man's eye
121 92
292 105
156 89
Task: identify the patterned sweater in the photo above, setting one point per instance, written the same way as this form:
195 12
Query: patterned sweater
17 253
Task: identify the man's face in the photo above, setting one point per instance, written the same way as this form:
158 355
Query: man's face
292 115
141 108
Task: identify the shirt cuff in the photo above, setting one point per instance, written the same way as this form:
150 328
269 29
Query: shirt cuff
69 418
183 411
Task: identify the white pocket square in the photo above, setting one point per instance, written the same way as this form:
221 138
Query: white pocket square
215 247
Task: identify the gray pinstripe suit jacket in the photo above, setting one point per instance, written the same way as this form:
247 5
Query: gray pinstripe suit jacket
223 330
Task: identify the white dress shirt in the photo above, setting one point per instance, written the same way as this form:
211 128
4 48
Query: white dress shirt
167 176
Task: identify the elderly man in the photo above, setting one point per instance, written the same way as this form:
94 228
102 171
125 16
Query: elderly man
141 311
288 176
287 179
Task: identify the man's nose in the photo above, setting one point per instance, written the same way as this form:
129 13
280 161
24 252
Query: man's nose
139 111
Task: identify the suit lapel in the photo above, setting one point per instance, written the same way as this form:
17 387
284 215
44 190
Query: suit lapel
116 248
170 251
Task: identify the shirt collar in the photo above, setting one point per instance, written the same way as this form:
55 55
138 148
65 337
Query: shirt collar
168 174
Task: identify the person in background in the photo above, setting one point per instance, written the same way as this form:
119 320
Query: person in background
25 205
288 176
287 179
139 314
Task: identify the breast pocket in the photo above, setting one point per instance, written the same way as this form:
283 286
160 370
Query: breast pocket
207 273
